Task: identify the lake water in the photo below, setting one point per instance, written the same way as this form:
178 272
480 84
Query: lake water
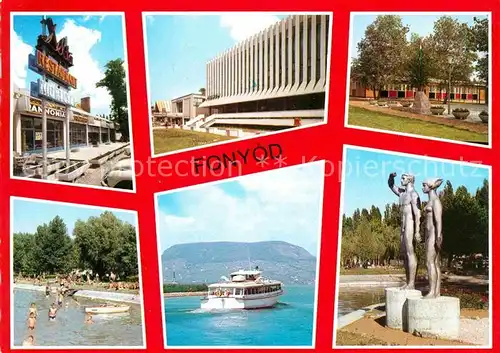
69 329
354 298
290 323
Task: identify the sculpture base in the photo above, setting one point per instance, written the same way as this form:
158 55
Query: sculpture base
421 104
395 306
434 317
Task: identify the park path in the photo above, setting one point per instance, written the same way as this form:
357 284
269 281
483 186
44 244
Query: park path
459 124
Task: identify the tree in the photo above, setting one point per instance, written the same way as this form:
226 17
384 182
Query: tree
418 62
450 51
107 244
23 260
114 82
478 37
202 91
52 247
380 51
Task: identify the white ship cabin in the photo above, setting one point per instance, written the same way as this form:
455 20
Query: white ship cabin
245 283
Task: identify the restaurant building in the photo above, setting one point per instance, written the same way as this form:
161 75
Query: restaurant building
85 129
272 80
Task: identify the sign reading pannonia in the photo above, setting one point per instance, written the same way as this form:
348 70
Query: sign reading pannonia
51 67
51 109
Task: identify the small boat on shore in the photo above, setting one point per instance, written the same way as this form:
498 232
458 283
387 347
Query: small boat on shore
107 309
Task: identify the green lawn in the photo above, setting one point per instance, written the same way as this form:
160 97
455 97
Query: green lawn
168 140
363 117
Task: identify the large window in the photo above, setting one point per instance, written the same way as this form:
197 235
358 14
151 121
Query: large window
77 134
31 134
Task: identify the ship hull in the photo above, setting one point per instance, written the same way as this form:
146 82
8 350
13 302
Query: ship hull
223 303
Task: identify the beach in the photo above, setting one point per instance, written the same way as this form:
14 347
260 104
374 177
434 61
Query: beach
69 328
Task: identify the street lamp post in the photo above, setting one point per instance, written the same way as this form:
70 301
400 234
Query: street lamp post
450 67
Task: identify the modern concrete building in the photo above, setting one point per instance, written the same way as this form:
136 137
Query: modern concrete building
275 79
179 110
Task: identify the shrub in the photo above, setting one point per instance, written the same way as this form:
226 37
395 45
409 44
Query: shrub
461 110
179 288
468 298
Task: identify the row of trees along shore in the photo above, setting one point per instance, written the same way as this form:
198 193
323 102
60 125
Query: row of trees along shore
102 244
367 236
453 52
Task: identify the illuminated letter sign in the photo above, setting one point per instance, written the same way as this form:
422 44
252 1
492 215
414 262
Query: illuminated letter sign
44 64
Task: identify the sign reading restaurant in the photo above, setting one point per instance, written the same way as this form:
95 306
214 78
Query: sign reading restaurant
53 57
42 63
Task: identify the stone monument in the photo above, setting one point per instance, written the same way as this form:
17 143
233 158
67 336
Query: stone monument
434 315
421 104
396 298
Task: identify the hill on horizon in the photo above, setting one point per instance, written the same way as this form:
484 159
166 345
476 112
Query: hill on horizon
207 262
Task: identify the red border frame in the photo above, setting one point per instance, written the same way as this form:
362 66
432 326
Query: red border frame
321 142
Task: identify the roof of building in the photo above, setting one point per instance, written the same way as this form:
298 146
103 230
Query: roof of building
164 106
197 95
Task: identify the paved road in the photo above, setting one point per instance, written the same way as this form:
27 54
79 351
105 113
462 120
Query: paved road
474 109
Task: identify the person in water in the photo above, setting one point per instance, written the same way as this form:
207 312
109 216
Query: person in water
47 291
52 312
29 341
33 310
88 319
60 298
31 321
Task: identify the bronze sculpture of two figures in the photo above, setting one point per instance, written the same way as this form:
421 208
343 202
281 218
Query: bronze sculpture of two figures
409 203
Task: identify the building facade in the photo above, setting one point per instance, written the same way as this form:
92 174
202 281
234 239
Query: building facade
179 110
271 78
466 93
85 129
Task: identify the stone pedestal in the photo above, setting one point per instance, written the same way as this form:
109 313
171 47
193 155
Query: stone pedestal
395 306
435 317
421 104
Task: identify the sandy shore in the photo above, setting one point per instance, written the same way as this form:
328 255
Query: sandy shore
370 330
184 294
131 298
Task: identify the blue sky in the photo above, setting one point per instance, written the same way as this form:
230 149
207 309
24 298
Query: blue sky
179 46
367 172
93 40
282 204
420 24
28 214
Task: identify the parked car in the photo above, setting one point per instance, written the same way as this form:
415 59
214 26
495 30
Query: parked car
120 176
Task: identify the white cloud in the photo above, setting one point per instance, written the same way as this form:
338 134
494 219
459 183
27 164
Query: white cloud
244 25
278 205
86 69
19 60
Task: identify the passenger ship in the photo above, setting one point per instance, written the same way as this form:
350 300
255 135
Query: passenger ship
246 289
